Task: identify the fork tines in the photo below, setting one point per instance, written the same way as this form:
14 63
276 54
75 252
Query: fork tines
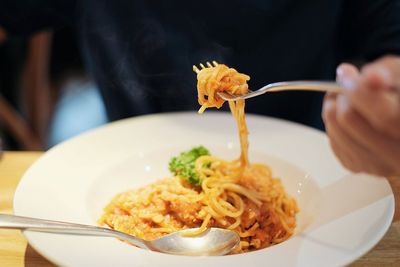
209 65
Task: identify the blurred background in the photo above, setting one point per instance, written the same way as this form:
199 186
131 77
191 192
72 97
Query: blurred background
45 95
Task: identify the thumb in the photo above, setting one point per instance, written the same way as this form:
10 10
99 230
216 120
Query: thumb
373 93
383 73
345 73
348 76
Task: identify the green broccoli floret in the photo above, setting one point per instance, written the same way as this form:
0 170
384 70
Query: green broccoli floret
183 165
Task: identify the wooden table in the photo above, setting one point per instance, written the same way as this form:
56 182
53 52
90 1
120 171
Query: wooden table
14 250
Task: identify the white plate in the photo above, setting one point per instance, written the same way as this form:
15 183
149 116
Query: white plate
342 215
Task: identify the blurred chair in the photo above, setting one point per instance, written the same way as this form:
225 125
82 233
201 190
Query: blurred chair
51 101
17 126
29 127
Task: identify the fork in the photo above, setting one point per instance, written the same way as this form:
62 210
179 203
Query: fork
321 86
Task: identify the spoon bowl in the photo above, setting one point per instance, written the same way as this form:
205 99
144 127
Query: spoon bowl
212 242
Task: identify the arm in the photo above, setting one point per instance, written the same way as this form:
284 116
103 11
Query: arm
363 123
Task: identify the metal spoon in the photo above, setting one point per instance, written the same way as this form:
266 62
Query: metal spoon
213 242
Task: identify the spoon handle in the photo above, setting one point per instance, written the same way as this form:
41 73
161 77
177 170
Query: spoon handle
40 225
322 86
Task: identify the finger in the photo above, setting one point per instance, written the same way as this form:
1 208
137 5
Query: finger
328 106
329 117
357 128
352 155
372 96
378 76
348 76
381 101
391 65
328 114
346 69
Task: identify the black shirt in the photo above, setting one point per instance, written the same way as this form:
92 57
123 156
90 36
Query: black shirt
141 52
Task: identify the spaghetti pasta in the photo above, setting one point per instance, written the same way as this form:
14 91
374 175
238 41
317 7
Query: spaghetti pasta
232 194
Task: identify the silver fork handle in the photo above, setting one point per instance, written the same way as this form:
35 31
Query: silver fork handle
40 225
320 86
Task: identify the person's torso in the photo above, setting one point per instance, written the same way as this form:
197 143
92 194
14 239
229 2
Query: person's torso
141 52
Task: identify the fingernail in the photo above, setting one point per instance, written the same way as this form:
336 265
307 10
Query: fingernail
339 72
